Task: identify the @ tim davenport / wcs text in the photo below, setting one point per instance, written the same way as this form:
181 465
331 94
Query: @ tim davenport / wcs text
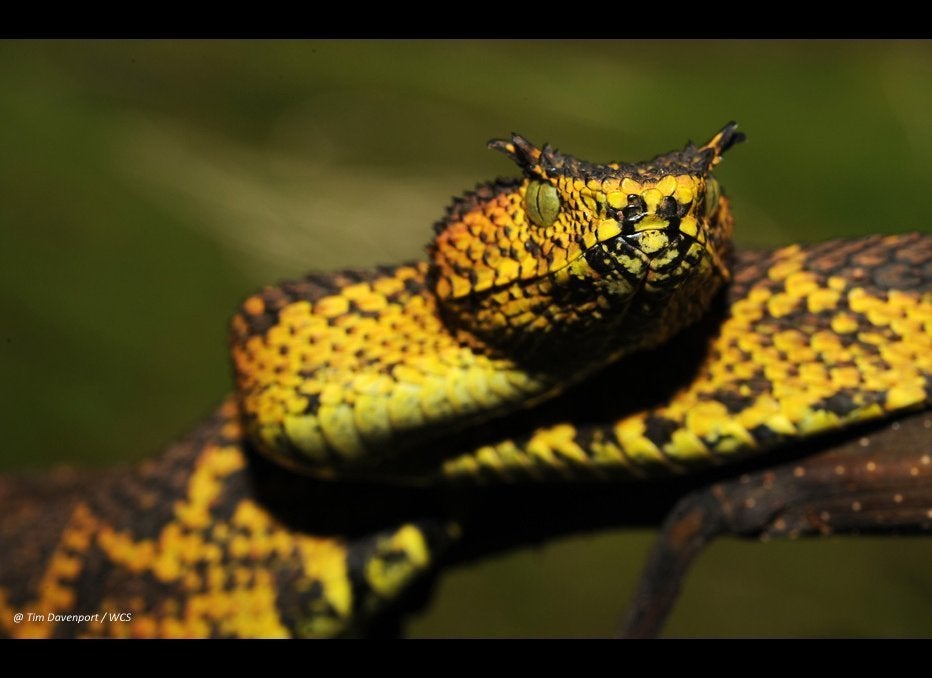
99 617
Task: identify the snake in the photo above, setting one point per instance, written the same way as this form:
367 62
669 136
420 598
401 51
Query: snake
579 323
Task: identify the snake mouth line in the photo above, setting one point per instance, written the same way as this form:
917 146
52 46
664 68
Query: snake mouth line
632 244
640 239
601 255
658 251
679 241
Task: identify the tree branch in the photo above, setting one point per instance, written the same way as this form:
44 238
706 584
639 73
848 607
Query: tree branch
879 482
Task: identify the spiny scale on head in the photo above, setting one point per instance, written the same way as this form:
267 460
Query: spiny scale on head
469 200
547 161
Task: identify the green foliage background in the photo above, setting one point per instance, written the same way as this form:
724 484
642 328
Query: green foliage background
147 187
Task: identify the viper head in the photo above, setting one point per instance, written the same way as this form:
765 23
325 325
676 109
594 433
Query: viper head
572 242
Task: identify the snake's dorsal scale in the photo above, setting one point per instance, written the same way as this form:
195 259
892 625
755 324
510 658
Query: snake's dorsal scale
532 285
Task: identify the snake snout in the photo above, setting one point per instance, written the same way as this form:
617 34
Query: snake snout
649 243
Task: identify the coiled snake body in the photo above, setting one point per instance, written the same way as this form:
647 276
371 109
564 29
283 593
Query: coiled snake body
577 277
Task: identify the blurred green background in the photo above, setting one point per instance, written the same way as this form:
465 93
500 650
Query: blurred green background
147 187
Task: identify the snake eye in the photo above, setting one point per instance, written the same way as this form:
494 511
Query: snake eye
542 203
712 195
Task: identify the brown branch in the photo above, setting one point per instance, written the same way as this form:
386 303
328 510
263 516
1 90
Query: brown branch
879 483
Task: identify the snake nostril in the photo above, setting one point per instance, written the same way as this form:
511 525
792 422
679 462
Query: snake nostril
667 208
